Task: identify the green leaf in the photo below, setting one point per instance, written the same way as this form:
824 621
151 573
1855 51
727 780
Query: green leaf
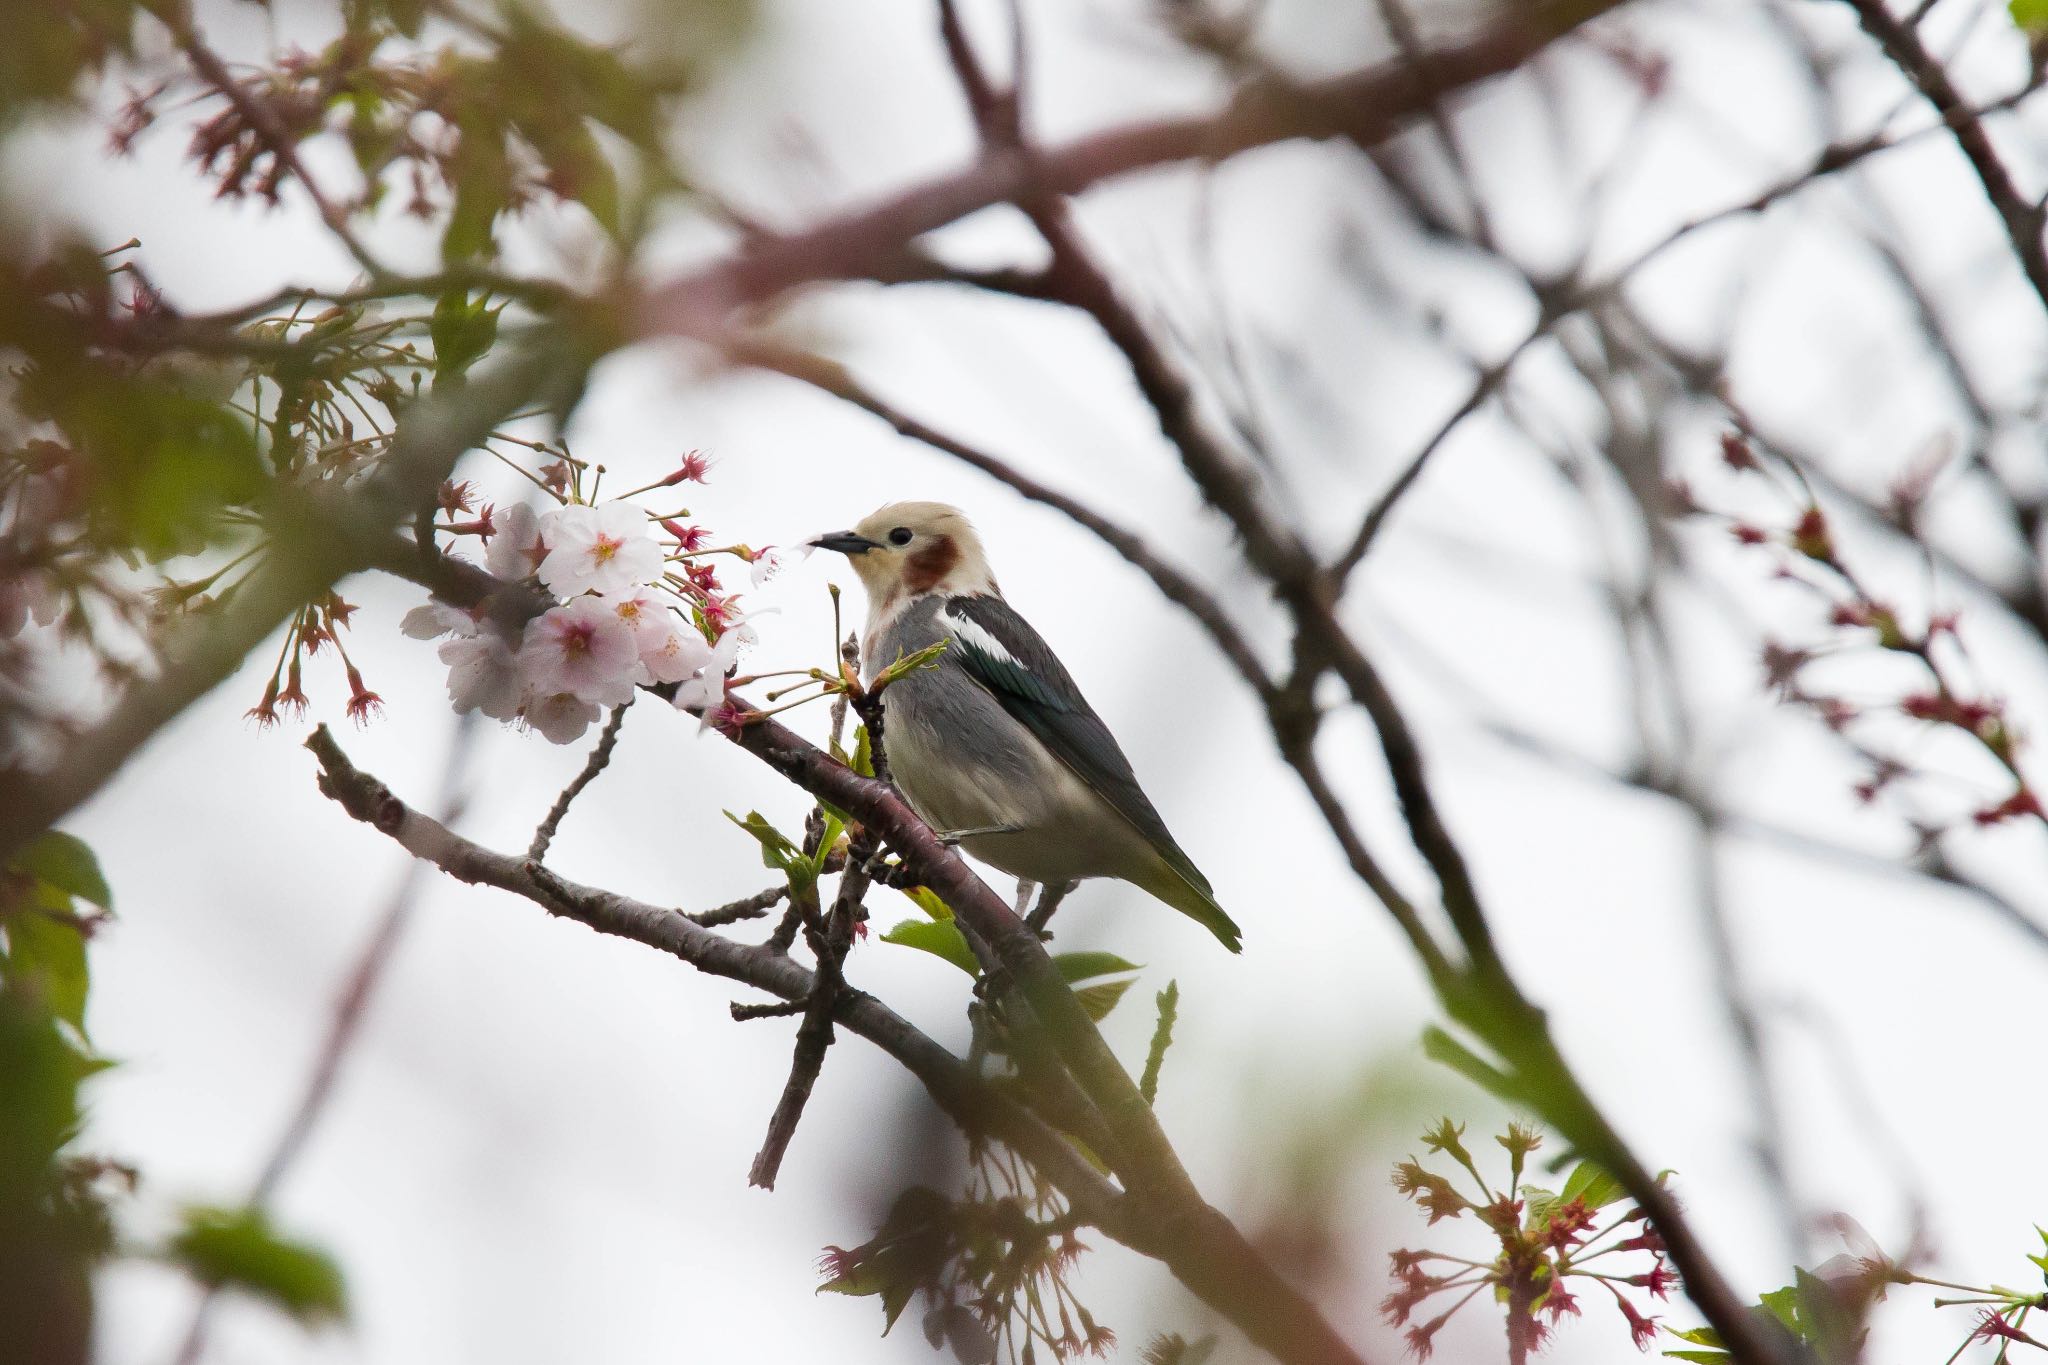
940 938
863 753
923 658
239 1249
67 863
1698 1336
1537 1204
1595 1186
1078 967
162 462
1783 1305
1441 1047
483 182
777 852
1099 1000
2031 15
463 331
47 956
927 900
1699 1357
1168 1002
39 1079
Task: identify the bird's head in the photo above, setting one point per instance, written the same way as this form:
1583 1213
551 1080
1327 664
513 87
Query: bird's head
908 549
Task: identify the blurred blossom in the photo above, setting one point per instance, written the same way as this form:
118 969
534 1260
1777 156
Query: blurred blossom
516 550
483 675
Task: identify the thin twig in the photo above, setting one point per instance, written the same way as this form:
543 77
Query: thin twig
599 757
746 907
262 119
2021 216
975 1105
830 941
351 1007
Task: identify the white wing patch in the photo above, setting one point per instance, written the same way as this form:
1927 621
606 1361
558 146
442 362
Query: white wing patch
971 634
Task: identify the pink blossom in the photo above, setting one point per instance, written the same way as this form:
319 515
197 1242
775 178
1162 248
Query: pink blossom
598 549
560 717
25 597
768 563
517 549
669 651
435 619
483 675
705 688
679 655
583 649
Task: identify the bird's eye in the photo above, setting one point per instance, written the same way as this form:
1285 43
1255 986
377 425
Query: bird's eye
900 536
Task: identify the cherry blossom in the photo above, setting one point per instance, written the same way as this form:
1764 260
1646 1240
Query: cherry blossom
561 717
705 687
435 619
28 597
769 562
483 675
517 548
583 649
598 549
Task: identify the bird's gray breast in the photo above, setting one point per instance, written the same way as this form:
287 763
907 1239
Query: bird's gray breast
958 756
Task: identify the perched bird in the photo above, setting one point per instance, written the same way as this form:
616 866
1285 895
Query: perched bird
994 745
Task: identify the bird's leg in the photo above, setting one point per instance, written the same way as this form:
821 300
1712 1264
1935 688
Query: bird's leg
1024 890
1048 901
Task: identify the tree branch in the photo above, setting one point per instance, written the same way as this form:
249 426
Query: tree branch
318 542
1364 106
969 1102
2021 217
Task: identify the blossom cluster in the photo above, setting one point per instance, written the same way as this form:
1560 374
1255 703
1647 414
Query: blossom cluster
993 1266
1933 690
629 610
1544 1240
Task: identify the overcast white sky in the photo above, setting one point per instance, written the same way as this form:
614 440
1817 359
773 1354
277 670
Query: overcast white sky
538 1152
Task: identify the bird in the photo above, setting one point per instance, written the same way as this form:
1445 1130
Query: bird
992 743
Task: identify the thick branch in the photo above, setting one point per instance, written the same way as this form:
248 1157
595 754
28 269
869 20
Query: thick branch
1169 1219
1203 1248
315 546
968 1101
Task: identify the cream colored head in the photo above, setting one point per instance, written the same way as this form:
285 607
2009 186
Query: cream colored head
908 549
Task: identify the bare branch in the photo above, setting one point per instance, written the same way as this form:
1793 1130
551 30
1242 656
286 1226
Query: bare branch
601 755
318 544
974 1105
833 378
1363 106
2021 216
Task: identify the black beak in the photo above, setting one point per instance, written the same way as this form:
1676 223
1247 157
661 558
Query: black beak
846 542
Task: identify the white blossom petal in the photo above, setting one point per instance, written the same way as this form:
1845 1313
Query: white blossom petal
483 675
516 548
598 549
561 717
435 619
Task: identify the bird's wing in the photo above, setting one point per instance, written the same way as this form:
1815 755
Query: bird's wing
999 649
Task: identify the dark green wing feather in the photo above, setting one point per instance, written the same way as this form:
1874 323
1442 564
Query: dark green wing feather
999 650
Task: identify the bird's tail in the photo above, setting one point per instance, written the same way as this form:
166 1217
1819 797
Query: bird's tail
1181 885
